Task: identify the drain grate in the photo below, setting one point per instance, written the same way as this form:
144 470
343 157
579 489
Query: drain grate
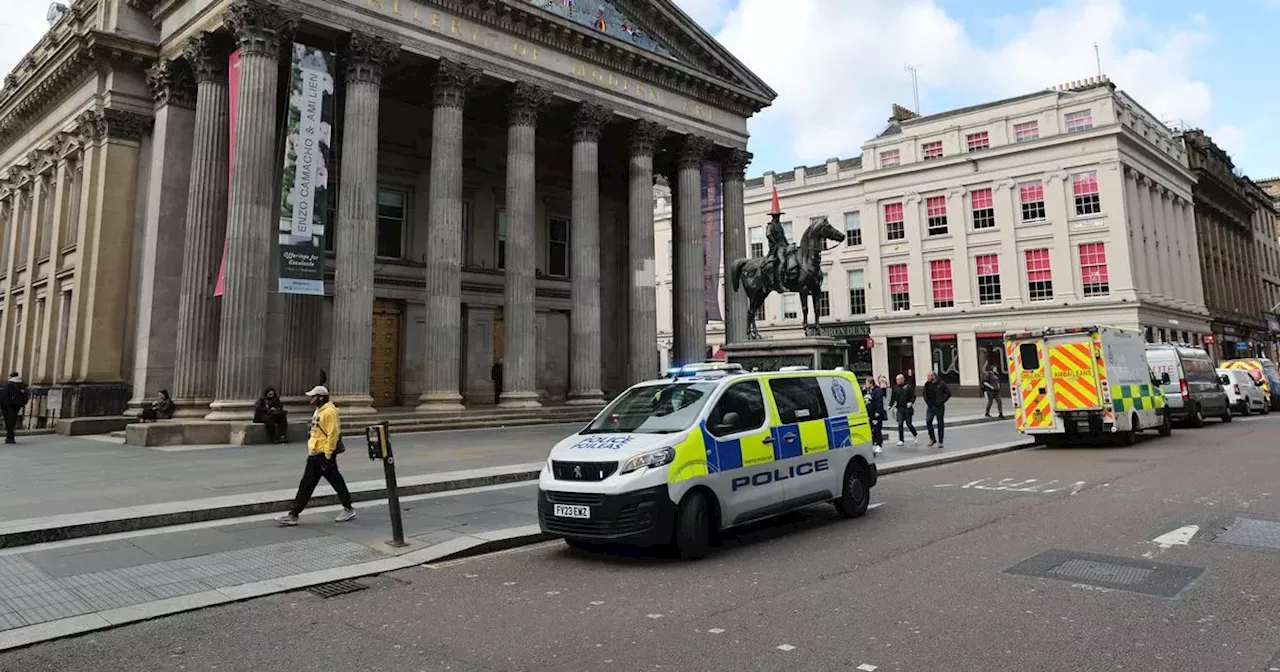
1131 575
1252 532
336 588
1102 572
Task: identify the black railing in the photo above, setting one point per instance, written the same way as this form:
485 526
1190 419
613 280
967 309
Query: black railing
47 405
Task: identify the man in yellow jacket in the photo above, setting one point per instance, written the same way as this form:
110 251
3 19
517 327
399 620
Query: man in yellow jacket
322 459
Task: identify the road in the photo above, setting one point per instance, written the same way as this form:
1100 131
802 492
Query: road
924 582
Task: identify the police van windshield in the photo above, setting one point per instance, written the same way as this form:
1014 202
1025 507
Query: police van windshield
654 409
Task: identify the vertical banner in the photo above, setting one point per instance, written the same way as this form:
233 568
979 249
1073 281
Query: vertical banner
712 215
233 99
304 191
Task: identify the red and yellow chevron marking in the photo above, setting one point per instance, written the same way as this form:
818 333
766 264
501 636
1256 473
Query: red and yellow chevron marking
1250 365
1100 364
1009 349
1035 405
1074 384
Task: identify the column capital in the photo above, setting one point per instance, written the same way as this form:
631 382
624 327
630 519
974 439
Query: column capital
525 102
693 151
734 164
116 124
206 54
171 84
645 136
260 26
453 81
367 56
589 120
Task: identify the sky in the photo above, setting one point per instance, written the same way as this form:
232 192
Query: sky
838 65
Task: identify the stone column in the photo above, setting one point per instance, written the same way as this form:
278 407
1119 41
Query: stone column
1137 235
690 325
519 328
444 240
735 243
1181 278
584 268
642 298
357 226
259 27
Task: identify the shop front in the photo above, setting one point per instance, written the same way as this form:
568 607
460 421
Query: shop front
858 336
991 355
945 349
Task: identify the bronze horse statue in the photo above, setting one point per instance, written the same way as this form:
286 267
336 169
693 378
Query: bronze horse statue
801 273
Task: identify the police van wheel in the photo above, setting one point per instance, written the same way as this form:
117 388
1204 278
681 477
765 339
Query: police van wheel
693 527
1166 425
855 496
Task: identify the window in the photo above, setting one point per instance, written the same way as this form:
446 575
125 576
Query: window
558 247
1039 276
890 158
1085 188
944 293
977 141
1093 269
1030 356
391 216
931 150
899 288
988 267
1026 131
501 252
1079 121
740 409
756 235
824 300
894 228
857 292
852 229
799 400
936 208
790 306
1032 196
984 209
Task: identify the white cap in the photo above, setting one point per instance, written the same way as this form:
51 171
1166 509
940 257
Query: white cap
318 391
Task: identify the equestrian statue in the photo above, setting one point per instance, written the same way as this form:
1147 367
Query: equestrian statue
785 268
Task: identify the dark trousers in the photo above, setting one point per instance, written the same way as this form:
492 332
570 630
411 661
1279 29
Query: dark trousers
318 466
277 427
904 418
877 431
935 413
10 422
497 392
994 398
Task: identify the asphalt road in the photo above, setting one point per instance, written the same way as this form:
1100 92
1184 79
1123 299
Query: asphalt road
921 583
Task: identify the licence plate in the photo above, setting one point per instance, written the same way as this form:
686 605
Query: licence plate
571 511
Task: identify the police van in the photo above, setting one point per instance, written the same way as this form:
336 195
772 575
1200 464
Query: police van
676 460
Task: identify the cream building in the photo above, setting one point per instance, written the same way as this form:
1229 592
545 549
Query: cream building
1062 207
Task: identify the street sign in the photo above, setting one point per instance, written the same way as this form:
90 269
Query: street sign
1210 339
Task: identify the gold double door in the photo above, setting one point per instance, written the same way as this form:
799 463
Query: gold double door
384 370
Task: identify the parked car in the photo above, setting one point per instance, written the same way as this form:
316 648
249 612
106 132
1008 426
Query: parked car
1190 383
1243 392
1264 372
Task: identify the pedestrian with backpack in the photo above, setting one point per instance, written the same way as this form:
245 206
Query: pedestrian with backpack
12 400
323 447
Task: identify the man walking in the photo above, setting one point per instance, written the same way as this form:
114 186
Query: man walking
12 399
903 398
991 386
495 374
936 394
323 447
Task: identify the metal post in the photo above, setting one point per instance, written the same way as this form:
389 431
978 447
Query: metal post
393 494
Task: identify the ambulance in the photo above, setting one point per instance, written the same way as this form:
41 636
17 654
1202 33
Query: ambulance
1264 372
674 461
1089 381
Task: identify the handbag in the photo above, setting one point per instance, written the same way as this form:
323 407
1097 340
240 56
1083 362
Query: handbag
341 448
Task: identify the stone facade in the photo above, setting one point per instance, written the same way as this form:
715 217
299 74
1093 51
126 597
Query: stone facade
493 175
1080 182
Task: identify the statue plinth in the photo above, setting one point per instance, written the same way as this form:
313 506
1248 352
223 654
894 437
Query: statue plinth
815 352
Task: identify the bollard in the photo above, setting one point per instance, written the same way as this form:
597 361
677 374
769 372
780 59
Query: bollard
378 438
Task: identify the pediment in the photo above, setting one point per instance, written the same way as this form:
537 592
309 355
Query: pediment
661 29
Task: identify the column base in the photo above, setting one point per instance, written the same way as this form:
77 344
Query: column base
296 405
355 405
519 400
231 409
191 408
586 398
440 402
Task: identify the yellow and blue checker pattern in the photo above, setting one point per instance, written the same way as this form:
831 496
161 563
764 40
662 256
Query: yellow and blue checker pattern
703 454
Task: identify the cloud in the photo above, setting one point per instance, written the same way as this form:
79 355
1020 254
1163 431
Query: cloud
22 25
837 66
707 13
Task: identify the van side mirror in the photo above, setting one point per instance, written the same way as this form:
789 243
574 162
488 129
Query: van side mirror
1164 378
728 423
1224 380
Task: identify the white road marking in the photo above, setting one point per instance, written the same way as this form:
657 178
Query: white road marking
875 506
655 616
1179 537
471 576
716 631
596 603
786 647
970 484
867 668
508 583
1009 485
1075 489
552 593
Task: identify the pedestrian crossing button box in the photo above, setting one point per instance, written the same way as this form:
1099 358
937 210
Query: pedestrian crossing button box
378 441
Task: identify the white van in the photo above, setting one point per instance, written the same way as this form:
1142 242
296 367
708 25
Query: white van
1243 392
673 461
1191 387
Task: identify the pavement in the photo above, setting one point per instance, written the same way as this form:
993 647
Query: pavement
1160 557
70 586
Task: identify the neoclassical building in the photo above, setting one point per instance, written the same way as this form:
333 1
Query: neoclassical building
487 170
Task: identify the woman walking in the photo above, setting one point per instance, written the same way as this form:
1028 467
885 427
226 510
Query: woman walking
874 395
